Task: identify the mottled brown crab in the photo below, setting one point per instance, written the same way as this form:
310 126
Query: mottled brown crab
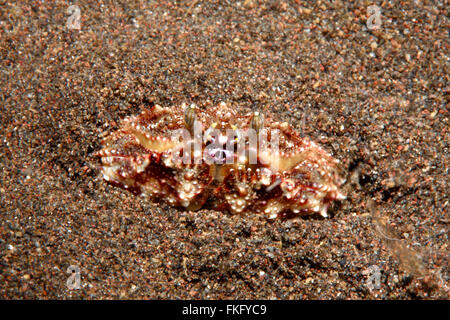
215 163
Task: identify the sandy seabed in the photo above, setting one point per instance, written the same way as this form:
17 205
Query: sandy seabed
376 99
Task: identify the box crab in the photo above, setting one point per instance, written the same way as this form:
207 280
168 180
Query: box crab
220 167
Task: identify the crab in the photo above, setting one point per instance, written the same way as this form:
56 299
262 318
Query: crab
217 158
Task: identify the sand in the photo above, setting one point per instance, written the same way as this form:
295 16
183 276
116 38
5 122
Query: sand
376 99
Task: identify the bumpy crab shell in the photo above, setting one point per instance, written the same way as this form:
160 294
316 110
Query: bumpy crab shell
293 177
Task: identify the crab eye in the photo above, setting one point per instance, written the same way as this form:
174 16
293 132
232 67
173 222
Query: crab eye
257 122
189 116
